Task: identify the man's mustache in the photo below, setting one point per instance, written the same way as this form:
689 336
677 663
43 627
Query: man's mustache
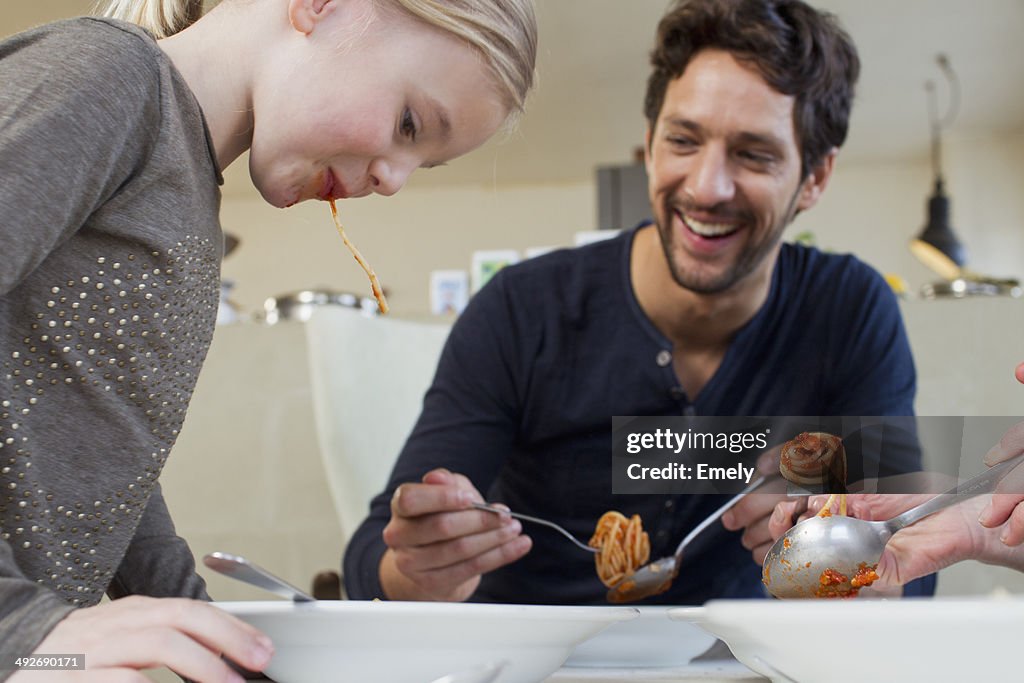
719 213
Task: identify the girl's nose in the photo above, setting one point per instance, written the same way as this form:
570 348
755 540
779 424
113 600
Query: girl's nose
389 176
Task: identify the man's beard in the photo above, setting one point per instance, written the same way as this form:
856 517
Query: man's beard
752 255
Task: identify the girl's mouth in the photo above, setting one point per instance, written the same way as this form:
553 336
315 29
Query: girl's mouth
327 188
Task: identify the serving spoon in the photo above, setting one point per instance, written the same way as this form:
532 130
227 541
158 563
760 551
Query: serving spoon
794 565
656 577
239 568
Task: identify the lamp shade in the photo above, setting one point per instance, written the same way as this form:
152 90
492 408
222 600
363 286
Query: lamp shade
937 246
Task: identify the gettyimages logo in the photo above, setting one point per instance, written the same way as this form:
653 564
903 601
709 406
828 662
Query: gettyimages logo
814 454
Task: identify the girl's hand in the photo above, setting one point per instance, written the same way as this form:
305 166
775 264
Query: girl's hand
122 637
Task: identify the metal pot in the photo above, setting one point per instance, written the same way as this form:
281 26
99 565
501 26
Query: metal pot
961 288
300 305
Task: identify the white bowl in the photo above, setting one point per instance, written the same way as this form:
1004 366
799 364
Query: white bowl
416 642
853 641
650 640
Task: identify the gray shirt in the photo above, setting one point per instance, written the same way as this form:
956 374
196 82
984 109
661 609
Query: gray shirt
109 282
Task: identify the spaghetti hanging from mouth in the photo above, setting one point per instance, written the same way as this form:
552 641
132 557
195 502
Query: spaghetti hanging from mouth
378 291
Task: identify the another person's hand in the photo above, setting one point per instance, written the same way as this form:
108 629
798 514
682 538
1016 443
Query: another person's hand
439 546
868 506
936 542
1006 508
948 536
122 637
943 539
753 511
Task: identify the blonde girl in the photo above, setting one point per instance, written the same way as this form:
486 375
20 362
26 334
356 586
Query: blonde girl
114 132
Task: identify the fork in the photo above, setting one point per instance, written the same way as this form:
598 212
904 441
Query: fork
535 520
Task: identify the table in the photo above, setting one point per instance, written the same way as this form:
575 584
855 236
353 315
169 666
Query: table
716 665
708 671
720 671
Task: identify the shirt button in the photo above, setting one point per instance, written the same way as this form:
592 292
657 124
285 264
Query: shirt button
664 358
668 504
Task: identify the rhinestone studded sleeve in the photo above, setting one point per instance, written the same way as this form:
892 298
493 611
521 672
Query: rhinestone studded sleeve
95 394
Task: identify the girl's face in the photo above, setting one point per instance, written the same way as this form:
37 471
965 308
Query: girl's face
357 103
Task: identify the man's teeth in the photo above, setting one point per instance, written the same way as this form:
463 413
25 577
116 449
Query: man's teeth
709 229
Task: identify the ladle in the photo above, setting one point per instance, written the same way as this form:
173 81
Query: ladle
796 562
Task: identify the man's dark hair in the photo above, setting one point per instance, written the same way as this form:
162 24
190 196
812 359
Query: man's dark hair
798 50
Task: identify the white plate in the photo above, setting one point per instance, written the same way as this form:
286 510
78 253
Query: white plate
416 642
853 641
650 640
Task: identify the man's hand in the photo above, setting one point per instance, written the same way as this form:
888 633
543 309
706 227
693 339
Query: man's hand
122 637
439 546
753 511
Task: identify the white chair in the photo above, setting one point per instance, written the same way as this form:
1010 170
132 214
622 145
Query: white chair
368 375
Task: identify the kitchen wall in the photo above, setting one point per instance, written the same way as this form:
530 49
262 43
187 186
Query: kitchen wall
871 210
403 237
246 476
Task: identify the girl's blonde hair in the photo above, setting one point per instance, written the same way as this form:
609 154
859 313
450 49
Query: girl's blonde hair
162 17
503 31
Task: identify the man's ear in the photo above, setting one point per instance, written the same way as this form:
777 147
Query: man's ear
305 14
647 148
815 183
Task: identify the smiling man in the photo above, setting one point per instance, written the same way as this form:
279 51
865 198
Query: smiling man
706 312
725 172
725 180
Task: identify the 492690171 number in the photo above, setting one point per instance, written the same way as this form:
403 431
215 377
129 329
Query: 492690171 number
42 662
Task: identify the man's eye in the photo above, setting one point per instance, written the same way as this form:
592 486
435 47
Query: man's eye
761 158
682 142
408 126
